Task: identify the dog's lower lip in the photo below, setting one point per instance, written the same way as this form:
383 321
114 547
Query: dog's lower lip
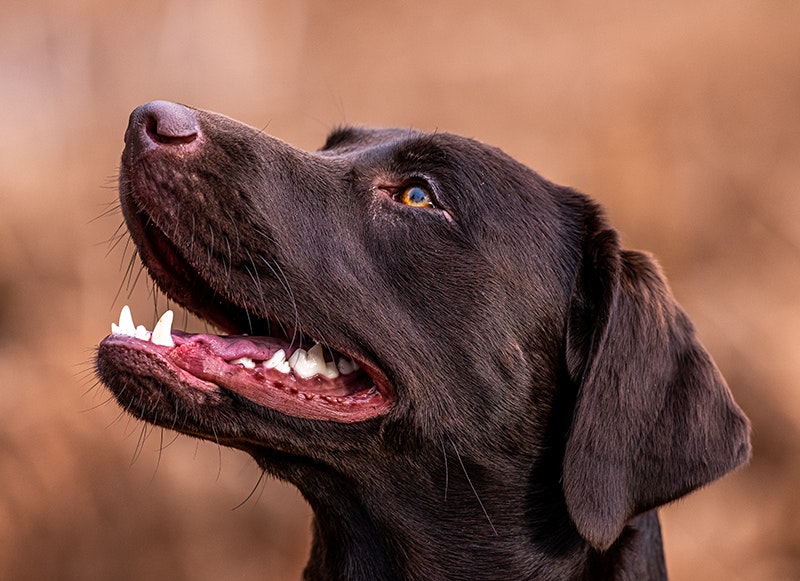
264 370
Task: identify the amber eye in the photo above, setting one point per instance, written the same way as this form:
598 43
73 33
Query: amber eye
416 196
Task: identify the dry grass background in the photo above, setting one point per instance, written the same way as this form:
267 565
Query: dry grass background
682 118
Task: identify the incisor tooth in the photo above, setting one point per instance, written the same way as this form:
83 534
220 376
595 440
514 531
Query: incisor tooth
142 333
125 326
162 332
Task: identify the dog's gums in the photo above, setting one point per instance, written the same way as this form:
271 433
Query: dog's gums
315 383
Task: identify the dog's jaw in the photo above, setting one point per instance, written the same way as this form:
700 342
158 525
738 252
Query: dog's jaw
266 371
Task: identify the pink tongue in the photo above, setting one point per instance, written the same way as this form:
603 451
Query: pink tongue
233 347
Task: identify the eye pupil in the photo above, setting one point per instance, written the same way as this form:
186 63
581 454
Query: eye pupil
416 196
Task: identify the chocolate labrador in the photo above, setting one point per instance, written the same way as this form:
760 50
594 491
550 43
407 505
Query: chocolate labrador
451 357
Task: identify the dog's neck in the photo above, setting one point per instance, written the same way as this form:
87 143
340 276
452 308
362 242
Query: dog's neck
408 531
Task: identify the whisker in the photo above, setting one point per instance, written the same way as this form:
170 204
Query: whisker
284 282
137 451
111 208
475 492
253 490
158 457
219 452
446 469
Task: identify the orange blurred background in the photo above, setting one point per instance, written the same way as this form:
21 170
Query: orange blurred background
682 118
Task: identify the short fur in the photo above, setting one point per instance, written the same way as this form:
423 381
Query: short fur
547 392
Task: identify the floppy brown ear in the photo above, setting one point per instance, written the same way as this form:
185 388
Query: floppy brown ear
654 418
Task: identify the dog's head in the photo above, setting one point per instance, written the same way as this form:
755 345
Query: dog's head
397 290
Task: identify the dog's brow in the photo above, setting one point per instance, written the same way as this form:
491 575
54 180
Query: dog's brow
358 139
422 150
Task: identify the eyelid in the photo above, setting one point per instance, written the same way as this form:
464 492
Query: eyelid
392 188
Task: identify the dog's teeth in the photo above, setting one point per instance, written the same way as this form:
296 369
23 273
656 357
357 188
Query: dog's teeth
316 358
125 326
331 372
278 357
299 362
162 332
347 366
142 333
316 352
278 362
309 363
246 362
326 369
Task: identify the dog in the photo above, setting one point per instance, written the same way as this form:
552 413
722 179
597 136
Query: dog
451 357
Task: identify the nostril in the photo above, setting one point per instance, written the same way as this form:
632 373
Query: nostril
166 123
162 131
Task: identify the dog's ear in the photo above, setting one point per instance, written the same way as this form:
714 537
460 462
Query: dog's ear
653 417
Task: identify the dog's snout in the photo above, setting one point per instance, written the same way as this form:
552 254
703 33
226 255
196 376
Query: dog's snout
162 124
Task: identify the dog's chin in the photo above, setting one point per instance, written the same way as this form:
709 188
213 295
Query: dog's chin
297 379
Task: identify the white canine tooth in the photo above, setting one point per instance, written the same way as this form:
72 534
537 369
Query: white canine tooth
162 332
246 362
142 333
125 326
347 366
283 367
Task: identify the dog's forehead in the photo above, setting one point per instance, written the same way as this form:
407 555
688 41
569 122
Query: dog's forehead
409 148
350 139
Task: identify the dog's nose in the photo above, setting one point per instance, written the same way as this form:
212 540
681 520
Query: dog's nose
161 124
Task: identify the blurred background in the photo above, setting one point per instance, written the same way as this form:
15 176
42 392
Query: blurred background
682 118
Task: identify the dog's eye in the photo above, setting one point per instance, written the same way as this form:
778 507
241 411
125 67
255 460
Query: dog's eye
416 196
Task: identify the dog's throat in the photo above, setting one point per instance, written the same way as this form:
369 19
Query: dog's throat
311 381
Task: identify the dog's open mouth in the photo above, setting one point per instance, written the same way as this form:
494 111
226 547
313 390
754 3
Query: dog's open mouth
310 381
